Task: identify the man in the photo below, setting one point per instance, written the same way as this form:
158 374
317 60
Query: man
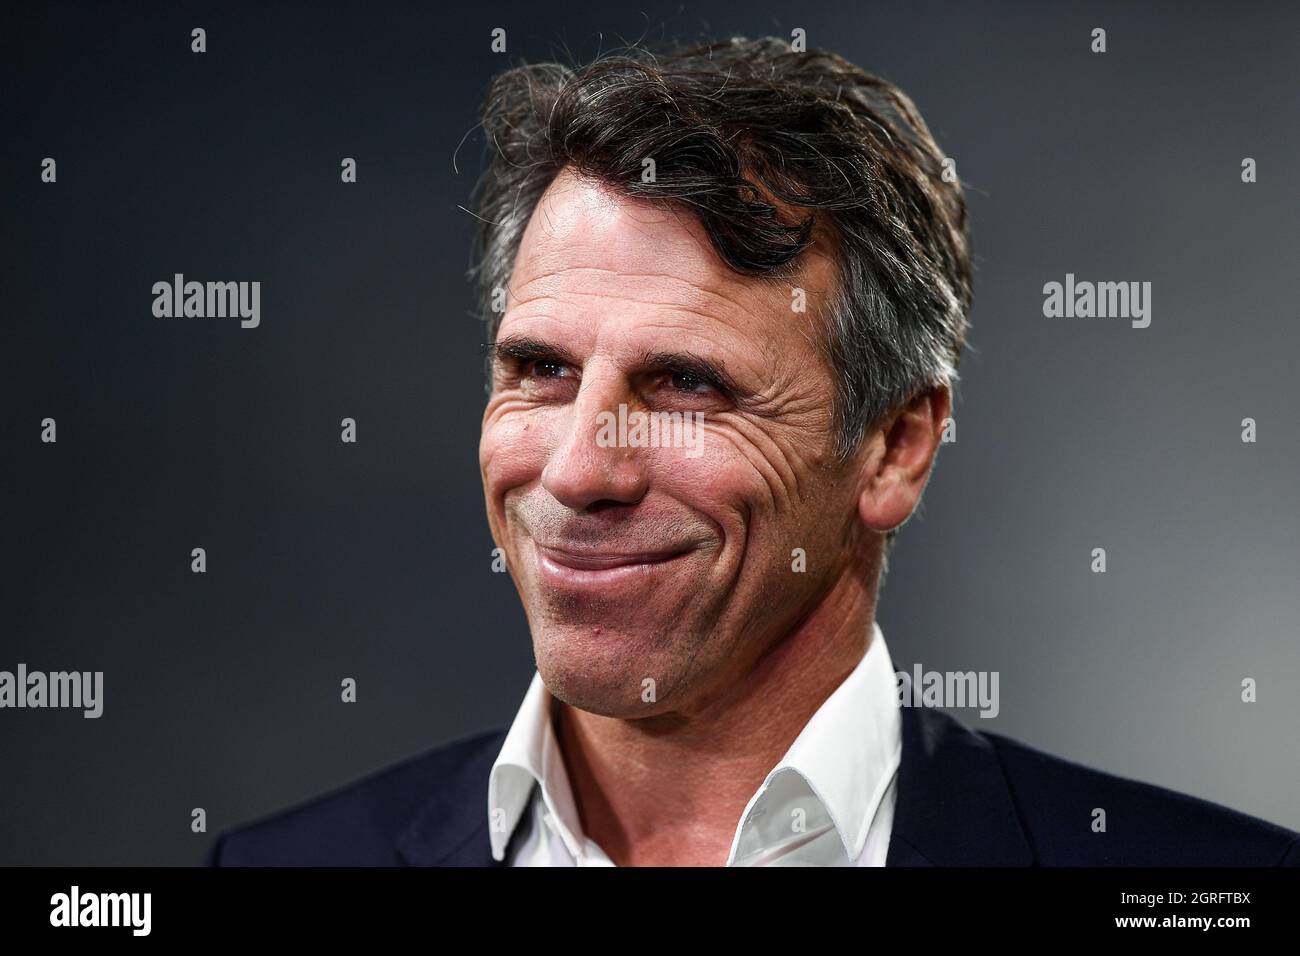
727 291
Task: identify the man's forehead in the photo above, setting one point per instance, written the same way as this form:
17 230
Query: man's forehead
582 226
587 246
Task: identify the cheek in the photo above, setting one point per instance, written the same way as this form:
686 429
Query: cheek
748 469
721 484
512 451
767 515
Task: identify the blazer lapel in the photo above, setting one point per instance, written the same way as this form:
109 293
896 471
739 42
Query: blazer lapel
451 828
953 804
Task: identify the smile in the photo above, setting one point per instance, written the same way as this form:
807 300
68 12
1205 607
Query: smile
599 569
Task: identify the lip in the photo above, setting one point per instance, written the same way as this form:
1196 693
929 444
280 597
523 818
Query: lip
604 560
590 569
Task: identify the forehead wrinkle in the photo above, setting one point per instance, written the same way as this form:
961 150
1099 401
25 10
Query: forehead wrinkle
727 318
694 290
663 318
667 307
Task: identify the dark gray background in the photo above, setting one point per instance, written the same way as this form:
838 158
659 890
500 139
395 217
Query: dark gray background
372 561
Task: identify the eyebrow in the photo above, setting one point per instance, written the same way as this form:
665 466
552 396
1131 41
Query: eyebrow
518 348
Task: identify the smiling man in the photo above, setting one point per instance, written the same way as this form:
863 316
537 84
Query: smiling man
764 242
659 588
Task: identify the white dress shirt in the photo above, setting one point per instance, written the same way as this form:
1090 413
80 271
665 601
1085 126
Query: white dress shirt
828 802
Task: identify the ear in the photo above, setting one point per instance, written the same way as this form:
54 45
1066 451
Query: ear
898 460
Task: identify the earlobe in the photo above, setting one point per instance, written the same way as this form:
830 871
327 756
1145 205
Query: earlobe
898 459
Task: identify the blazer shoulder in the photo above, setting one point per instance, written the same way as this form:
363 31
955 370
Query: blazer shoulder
360 823
1144 825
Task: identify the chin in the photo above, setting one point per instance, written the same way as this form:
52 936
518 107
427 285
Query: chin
602 670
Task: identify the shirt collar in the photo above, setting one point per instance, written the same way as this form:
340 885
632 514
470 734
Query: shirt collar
837 770
834 774
530 756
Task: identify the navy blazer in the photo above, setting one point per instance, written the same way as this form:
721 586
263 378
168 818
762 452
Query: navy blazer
965 798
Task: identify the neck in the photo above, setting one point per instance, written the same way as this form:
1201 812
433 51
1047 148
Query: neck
669 791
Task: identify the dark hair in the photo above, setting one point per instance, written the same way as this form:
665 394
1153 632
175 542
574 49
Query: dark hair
730 126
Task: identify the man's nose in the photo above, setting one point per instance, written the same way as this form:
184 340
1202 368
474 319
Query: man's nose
585 467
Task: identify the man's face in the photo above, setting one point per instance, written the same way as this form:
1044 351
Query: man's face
670 564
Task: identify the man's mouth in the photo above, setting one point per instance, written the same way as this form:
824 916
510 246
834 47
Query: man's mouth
614 574
588 559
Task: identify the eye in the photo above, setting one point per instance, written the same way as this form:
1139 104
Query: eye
686 382
546 368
